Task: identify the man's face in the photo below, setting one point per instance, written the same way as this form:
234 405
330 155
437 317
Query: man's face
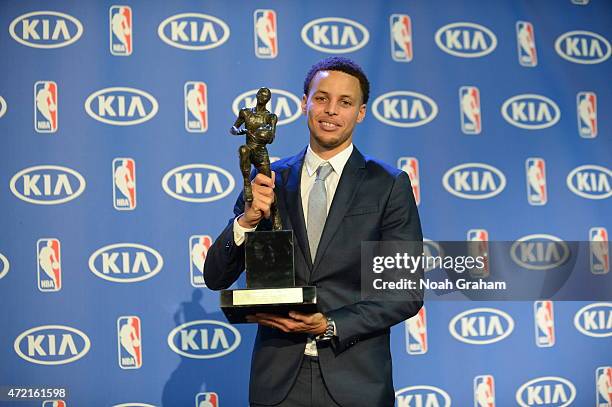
333 106
263 97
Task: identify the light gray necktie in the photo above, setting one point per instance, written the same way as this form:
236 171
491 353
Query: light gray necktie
317 208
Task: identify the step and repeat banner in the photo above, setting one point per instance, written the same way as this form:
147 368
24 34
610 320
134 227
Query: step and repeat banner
118 171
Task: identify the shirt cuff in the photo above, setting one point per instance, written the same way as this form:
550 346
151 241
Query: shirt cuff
239 232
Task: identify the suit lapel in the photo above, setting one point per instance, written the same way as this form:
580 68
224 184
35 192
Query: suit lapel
352 176
293 202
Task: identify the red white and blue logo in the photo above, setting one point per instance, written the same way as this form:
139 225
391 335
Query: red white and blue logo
599 246
535 172
207 399
129 342
603 386
586 106
544 317
416 333
124 184
469 104
198 248
526 45
479 247
49 263
54 403
120 27
45 107
400 26
410 165
484 391
196 107
265 33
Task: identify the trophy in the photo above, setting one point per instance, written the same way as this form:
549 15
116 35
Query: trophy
270 273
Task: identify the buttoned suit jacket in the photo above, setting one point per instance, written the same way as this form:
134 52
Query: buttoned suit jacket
372 202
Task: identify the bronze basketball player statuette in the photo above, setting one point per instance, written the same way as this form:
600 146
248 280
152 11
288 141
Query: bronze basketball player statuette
260 129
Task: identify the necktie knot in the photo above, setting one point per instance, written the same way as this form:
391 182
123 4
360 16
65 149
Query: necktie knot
323 171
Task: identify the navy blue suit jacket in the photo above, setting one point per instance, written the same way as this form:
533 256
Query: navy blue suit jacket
373 202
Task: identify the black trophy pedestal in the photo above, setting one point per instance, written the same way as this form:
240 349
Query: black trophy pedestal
270 280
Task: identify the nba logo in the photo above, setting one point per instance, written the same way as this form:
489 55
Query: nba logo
416 333
54 403
129 342
544 323
401 37
410 165
198 247
469 104
124 184
45 107
599 251
535 171
265 32
478 246
586 104
208 399
49 262
603 386
196 107
525 40
484 391
120 27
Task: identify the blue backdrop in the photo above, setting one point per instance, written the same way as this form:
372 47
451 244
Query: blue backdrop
118 170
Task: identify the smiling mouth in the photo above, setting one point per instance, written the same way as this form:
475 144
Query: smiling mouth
328 125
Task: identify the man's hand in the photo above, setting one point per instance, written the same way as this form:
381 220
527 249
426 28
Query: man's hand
296 322
263 197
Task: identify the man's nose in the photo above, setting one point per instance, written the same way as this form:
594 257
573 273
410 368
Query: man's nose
331 108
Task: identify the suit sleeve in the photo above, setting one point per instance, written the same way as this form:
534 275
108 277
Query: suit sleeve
400 223
225 260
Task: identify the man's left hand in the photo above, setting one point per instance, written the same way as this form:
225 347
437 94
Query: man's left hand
296 322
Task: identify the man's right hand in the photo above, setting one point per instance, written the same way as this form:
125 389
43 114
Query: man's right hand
263 197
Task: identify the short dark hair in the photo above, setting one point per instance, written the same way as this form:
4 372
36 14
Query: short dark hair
341 64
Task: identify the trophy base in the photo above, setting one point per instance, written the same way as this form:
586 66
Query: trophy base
237 304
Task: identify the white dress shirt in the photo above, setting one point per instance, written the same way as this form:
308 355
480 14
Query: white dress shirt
311 163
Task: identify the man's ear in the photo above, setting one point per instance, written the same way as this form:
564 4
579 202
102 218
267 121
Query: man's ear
362 113
304 101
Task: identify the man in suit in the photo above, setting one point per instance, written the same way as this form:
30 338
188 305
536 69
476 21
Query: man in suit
333 198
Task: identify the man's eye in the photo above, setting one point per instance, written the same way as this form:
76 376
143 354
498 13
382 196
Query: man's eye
346 103
319 98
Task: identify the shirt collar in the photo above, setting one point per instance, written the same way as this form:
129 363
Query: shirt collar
312 160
